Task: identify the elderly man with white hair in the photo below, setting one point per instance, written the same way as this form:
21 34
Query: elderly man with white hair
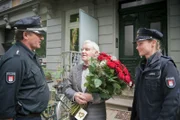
75 89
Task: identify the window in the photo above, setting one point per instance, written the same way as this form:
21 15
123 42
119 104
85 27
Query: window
74 18
129 40
72 30
74 39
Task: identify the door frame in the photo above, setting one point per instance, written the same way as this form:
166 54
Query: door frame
136 18
156 6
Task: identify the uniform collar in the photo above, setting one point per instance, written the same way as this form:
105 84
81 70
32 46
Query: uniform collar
29 52
152 59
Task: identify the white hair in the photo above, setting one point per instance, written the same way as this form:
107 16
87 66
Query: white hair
95 46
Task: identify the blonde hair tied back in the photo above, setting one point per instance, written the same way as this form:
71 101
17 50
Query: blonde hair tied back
158 46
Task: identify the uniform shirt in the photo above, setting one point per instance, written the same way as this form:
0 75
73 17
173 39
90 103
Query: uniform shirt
23 88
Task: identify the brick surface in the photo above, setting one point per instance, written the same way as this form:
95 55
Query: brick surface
113 114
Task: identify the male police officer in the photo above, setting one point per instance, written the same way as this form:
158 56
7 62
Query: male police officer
24 93
157 90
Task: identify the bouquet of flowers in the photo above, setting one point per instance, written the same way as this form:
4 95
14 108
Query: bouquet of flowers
107 76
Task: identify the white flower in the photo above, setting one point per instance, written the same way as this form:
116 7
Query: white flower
113 58
102 63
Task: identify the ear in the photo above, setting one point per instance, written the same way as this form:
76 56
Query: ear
96 54
25 35
154 41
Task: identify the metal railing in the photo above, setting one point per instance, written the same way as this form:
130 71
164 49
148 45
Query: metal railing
58 109
69 59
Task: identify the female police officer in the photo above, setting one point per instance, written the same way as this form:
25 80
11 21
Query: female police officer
157 84
24 93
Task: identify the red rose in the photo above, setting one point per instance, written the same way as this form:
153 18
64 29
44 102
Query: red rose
125 71
121 70
118 69
127 79
121 76
105 56
100 58
117 62
111 64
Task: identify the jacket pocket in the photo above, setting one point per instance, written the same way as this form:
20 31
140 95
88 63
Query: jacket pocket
37 75
152 80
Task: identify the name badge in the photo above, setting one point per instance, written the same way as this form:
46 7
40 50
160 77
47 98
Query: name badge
81 114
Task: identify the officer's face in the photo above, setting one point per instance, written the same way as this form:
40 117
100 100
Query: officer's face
145 48
87 52
33 40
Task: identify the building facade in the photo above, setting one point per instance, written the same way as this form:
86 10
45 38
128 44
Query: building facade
110 23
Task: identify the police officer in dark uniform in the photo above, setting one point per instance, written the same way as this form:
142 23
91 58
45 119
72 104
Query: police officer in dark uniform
24 93
157 83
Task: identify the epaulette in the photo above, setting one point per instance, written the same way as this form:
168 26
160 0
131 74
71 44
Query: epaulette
166 57
169 59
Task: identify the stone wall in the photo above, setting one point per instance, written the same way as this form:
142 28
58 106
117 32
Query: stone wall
174 30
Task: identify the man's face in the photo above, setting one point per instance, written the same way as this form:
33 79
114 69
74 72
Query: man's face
33 40
87 52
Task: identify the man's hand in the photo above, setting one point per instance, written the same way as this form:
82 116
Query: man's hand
88 97
80 98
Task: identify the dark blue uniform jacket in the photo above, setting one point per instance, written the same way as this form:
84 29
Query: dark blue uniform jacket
157 90
23 88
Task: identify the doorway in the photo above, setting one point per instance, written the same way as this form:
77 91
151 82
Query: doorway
130 20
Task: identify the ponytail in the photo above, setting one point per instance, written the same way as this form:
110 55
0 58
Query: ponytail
158 46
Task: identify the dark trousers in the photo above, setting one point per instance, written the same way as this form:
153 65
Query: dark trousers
72 118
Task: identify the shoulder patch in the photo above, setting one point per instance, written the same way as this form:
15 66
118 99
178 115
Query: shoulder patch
170 82
10 77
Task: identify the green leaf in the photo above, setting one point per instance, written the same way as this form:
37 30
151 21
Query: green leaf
91 68
111 80
105 96
114 77
117 86
97 82
112 71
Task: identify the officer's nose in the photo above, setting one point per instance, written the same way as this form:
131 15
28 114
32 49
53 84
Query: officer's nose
136 47
42 37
